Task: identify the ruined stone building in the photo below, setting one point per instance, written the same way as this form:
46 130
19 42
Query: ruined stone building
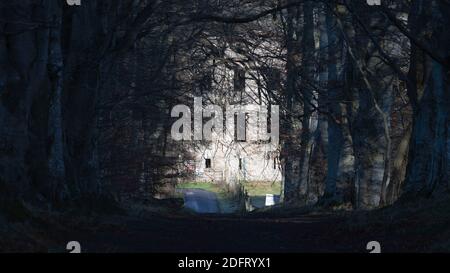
237 82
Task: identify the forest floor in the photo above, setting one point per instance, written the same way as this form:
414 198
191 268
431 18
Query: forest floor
421 226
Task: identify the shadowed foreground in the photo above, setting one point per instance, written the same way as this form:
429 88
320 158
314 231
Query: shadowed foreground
214 234
419 226
398 229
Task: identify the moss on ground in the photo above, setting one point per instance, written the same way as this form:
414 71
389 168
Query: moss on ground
212 187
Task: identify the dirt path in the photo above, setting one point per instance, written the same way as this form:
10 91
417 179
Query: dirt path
201 201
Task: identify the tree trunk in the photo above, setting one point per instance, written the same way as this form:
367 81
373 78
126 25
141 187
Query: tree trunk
428 165
308 78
